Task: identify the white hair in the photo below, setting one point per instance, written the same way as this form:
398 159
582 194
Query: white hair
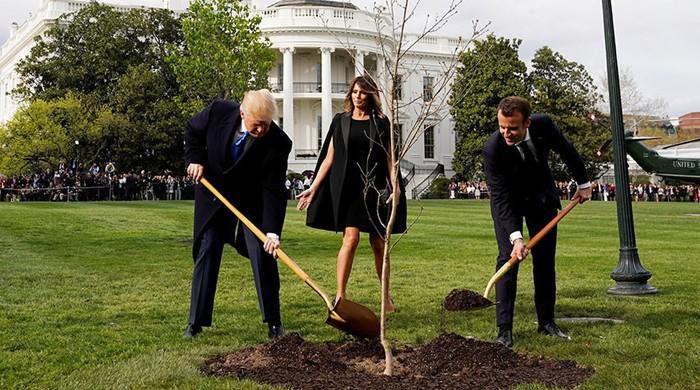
260 105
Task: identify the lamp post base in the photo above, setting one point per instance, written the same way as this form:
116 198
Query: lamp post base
630 275
632 288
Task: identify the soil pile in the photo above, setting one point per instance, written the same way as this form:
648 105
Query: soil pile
462 299
448 362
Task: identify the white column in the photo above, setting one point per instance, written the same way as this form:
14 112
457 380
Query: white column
381 70
288 92
2 101
382 83
359 62
326 98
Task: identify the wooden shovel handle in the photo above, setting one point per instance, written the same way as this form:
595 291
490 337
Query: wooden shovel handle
262 237
534 240
530 244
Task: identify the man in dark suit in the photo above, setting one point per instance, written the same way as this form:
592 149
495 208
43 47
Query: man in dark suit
242 153
521 186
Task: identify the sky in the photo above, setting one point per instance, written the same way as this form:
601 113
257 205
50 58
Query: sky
657 40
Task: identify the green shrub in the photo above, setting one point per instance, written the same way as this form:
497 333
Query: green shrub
293 175
640 179
438 189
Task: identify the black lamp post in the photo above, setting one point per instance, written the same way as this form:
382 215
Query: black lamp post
630 275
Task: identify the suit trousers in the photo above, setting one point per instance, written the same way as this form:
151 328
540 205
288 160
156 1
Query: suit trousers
536 217
207 260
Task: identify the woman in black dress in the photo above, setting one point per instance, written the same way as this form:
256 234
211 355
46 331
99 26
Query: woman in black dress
351 191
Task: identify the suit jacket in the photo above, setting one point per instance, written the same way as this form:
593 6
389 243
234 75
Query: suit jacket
325 209
254 183
514 186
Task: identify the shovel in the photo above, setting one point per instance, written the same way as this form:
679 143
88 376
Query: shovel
533 241
345 315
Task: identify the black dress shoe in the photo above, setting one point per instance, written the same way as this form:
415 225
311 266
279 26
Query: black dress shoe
275 330
505 338
551 329
191 331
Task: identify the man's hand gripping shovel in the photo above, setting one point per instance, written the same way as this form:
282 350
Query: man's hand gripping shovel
486 302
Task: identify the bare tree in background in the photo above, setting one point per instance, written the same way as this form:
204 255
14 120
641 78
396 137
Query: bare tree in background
637 108
394 63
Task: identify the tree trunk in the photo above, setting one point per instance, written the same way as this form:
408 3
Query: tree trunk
388 357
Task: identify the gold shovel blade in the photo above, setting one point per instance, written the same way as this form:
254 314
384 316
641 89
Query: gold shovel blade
353 318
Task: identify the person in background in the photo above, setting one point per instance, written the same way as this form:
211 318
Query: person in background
110 168
94 169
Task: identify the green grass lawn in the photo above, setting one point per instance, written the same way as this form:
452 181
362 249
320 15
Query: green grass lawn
96 295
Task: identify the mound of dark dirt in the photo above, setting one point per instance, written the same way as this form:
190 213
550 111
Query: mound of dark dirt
462 299
448 362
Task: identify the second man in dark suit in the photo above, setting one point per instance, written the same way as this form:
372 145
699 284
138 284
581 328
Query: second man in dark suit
242 153
521 186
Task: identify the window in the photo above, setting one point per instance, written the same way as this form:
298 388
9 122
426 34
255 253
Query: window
429 142
398 136
280 77
427 88
319 73
398 87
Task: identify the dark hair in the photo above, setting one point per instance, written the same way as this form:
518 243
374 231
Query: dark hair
512 104
368 86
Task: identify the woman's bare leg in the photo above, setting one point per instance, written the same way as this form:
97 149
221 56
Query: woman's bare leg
377 244
346 255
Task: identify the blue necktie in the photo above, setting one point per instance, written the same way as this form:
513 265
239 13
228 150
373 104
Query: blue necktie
237 147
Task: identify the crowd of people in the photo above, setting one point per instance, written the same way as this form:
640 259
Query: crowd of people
600 191
468 190
297 185
93 184
638 193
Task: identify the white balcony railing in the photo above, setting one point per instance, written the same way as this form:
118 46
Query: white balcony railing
313 18
286 18
308 87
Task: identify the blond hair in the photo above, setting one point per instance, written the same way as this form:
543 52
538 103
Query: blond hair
260 105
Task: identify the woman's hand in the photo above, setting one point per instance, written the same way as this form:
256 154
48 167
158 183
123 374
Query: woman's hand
305 198
396 196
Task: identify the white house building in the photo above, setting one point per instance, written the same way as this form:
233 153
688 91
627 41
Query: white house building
21 40
321 45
